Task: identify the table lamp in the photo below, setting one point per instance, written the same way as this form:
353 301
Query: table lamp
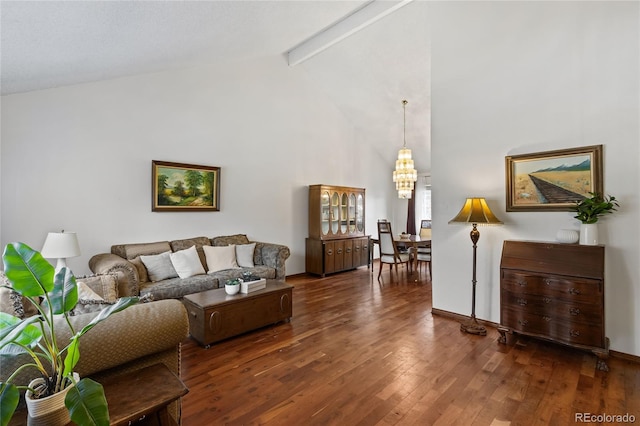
475 211
60 245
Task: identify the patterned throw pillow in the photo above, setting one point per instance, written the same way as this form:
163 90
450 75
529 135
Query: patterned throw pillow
88 306
14 303
104 285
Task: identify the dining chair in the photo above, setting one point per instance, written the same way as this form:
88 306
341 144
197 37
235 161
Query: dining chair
424 253
388 251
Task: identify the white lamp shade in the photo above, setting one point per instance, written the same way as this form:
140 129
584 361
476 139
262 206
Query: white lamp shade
60 245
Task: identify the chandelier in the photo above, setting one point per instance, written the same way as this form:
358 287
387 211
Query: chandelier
405 175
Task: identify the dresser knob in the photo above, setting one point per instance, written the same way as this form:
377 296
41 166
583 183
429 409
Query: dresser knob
574 291
523 322
574 333
574 311
547 319
521 283
546 300
522 302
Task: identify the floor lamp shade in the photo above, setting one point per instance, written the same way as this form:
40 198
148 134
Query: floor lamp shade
475 211
60 245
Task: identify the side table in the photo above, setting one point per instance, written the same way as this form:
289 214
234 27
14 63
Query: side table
137 398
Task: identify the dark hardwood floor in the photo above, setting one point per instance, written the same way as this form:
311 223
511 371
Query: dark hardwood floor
362 352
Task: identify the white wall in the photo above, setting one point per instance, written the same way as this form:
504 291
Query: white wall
519 77
79 158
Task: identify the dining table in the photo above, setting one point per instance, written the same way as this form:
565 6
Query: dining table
409 241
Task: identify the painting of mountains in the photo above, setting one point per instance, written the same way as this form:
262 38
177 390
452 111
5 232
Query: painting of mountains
552 180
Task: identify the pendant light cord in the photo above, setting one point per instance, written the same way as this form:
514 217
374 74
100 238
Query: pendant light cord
404 123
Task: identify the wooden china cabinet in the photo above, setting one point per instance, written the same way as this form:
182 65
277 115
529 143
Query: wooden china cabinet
555 292
336 241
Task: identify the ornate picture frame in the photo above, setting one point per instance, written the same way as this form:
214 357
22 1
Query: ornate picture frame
184 187
552 180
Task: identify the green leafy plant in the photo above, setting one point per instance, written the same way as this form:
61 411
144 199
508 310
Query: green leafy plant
233 281
590 209
35 279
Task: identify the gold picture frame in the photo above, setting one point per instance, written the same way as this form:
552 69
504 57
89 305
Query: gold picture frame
552 180
184 187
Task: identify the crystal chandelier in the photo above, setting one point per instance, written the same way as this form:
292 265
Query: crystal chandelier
405 175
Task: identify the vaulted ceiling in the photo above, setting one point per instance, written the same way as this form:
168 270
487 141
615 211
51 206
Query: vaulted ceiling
46 44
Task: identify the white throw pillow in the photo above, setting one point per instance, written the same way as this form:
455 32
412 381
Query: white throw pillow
244 255
220 257
186 262
159 266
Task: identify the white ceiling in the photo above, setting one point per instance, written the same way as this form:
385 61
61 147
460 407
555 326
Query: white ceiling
46 44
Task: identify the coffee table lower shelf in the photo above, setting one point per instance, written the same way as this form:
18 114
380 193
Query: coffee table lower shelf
214 315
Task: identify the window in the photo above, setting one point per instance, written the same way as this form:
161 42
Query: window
423 199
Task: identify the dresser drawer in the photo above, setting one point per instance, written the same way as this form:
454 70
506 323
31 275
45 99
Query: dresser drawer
553 327
580 290
548 306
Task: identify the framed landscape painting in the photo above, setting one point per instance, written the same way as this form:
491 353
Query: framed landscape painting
184 187
552 180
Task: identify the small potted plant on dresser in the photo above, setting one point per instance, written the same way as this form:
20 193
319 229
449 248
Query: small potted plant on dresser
589 211
79 400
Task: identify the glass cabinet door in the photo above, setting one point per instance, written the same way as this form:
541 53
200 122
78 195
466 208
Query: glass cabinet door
360 213
352 213
343 213
324 213
335 213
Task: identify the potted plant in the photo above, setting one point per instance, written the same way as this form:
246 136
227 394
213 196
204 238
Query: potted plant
589 211
232 286
35 279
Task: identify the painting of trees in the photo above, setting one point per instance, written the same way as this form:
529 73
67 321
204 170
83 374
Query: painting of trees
179 186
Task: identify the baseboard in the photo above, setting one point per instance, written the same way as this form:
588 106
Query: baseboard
462 318
627 357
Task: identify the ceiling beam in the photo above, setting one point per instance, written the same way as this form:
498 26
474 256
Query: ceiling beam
361 18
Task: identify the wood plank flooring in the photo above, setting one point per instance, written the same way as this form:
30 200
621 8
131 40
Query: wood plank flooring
359 351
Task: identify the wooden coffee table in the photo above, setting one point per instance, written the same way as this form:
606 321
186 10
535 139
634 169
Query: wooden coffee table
214 315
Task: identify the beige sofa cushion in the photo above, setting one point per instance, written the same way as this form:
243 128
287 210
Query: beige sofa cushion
227 240
131 251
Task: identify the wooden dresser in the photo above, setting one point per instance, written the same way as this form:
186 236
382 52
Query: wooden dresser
555 292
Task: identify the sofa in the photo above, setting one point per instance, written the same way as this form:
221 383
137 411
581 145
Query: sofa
142 268
115 346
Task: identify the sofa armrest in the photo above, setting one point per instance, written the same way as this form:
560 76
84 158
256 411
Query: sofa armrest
274 256
136 332
108 263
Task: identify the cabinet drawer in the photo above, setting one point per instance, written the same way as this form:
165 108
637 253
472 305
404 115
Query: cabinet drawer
579 290
553 326
547 306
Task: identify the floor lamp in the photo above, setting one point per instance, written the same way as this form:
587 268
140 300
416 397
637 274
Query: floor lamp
475 211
